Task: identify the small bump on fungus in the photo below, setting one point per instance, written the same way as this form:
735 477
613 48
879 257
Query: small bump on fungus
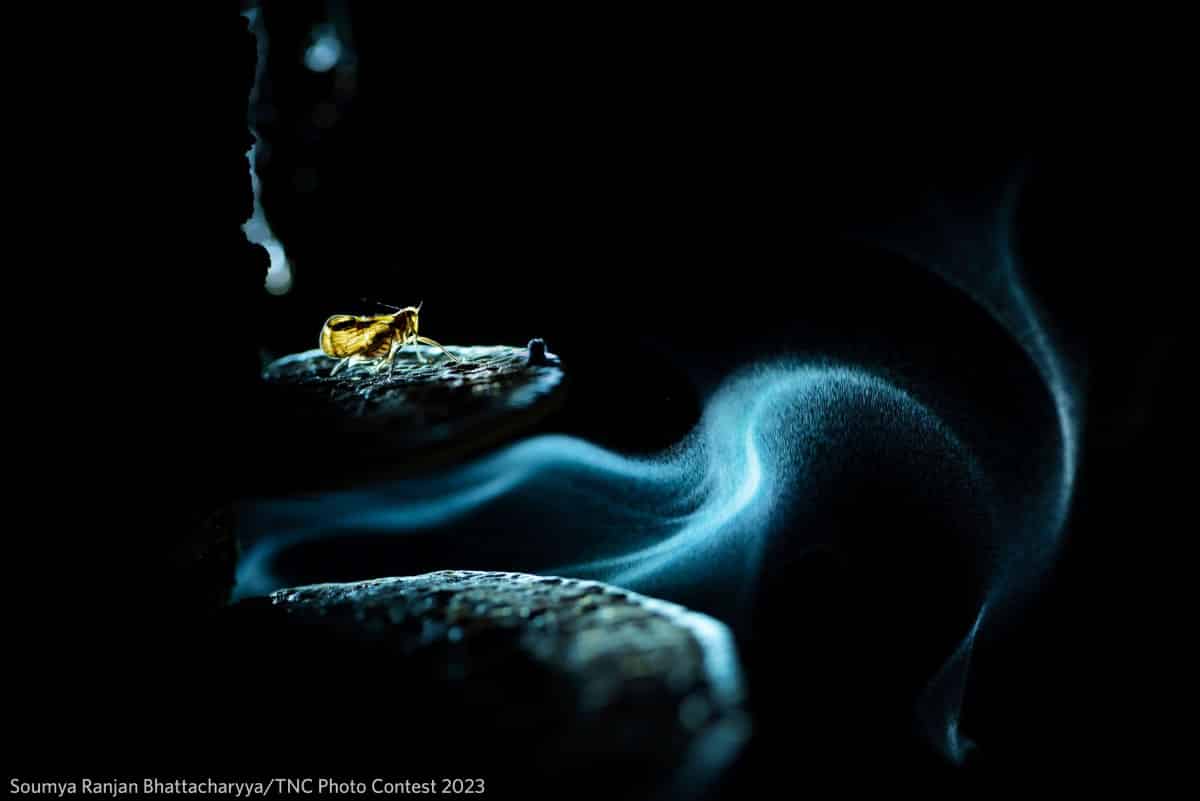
538 355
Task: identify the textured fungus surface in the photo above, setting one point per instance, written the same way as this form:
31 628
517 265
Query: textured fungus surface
579 673
426 399
427 410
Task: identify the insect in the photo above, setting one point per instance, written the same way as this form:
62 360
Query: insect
375 337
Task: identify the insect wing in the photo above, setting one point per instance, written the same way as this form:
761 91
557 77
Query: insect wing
347 335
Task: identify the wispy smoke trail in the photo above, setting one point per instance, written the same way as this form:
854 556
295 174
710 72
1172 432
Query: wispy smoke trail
634 521
968 241
704 513
698 516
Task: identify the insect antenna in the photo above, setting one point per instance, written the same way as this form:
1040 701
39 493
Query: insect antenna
380 303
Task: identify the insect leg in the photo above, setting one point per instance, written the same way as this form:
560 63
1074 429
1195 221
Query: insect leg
386 361
438 345
391 359
354 360
339 366
412 340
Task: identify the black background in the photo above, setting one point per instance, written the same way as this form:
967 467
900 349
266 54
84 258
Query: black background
664 194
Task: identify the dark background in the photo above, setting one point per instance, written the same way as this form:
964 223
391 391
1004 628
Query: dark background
669 201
